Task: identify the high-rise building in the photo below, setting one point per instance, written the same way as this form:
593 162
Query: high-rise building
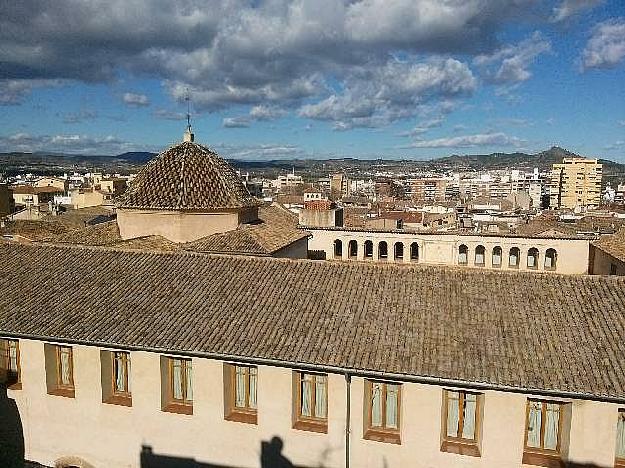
576 183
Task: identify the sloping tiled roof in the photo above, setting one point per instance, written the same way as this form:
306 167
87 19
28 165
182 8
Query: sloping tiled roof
613 245
276 229
187 176
531 332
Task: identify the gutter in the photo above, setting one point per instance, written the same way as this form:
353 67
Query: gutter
329 369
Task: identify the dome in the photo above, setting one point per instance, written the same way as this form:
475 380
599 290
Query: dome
188 177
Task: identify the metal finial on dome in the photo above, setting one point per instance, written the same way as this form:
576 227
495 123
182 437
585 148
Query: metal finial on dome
189 136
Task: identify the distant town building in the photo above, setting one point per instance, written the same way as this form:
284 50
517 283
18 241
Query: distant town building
339 185
576 184
5 200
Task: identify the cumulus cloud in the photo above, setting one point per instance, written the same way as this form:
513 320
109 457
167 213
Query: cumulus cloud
511 63
266 112
135 100
423 127
13 92
468 141
280 54
247 152
606 47
236 122
65 143
568 8
379 96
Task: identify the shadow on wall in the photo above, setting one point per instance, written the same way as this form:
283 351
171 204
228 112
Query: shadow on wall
11 433
270 457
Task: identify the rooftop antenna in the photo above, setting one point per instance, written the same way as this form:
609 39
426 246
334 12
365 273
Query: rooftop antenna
188 134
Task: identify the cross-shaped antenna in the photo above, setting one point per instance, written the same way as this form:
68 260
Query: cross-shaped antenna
187 98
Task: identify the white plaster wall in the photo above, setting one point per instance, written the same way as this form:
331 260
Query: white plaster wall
112 436
442 249
173 225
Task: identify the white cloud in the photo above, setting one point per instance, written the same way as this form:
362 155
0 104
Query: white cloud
468 141
65 143
278 54
423 127
606 47
135 100
568 8
236 122
377 97
13 92
266 112
511 63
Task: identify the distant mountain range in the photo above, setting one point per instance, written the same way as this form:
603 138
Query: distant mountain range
542 160
50 163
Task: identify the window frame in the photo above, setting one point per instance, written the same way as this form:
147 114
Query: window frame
383 256
178 405
400 255
300 421
463 249
414 252
54 383
337 248
497 252
517 255
539 455
352 252
479 250
460 445
383 433
554 259
231 411
535 254
619 462
13 377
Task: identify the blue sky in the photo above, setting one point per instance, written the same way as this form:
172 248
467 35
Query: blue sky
276 79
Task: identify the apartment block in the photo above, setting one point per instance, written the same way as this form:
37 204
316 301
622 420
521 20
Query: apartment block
576 184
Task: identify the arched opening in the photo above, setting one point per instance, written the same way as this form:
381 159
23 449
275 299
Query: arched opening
352 249
497 257
338 248
414 252
383 250
398 251
532 258
463 254
513 259
480 255
368 249
551 257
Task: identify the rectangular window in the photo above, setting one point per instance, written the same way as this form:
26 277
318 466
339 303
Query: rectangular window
382 406
116 377
542 431
310 397
620 438
59 370
10 364
177 388
460 424
240 393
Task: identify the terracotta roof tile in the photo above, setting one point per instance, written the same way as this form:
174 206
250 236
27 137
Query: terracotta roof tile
567 335
187 176
613 244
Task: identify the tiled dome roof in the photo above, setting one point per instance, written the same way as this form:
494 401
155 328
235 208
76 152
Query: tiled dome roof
187 176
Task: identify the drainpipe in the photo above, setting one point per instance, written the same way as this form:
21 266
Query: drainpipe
348 381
